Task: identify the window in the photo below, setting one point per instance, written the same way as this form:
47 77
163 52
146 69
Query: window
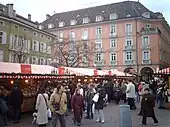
113 16
50 25
99 32
34 60
34 47
85 33
129 42
99 18
128 55
72 34
42 61
2 37
2 23
61 24
85 20
147 26
98 57
113 43
61 34
145 41
128 29
35 34
113 57
16 27
41 47
1 55
49 49
98 44
72 22
112 29
146 55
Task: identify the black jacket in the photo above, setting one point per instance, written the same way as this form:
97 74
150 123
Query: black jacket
100 103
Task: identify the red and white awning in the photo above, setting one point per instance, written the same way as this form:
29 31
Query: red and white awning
165 71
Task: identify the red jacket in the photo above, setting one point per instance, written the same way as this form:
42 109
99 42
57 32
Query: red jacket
77 103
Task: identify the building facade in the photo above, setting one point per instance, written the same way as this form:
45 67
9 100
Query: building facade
127 35
21 40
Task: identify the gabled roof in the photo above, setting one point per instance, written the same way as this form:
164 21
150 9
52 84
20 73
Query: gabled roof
122 9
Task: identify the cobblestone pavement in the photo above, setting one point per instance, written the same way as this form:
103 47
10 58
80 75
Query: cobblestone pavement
111 119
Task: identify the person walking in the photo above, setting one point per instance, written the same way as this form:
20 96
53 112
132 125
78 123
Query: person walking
123 90
42 108
58 105
131 94
99 105
147 107
77 103
16 100
89 97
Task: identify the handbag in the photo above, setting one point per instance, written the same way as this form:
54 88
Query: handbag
56 106
96 97
3 107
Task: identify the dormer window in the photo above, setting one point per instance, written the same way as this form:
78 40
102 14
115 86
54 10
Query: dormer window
146 15
41 27
99 18
50 25
72 22
85 20
61 24
113 16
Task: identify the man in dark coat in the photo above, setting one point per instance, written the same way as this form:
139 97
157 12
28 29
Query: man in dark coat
147 107
99 105
77 103
16 99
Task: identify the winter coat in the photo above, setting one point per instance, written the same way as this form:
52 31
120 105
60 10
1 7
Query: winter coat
147 105
100 103
89 96
41 106
77 103
16 98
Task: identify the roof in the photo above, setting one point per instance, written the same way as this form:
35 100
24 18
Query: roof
122 9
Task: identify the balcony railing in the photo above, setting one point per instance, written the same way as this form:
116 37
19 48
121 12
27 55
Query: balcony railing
146 47
84 38
129 47
129 62
98 36
99 63
128 33
146 31
113 62
146 61
113 35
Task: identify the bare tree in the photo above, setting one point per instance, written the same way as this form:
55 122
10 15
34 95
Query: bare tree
19 49
71 53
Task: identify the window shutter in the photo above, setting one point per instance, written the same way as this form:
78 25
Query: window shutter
4 38
37 45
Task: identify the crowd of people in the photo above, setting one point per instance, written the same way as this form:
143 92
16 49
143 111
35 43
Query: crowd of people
55 103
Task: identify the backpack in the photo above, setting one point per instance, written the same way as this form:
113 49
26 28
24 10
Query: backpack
3 107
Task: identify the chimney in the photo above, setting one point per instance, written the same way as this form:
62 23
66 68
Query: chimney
10 10
29 17
47 16
14 12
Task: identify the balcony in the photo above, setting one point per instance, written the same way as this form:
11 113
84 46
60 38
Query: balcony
146 62
84 38
99 63
147 31
128 34
99 50
129 62
113 62
146 47
113 35
129 47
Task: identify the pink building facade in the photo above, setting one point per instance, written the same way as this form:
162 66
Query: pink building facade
132 43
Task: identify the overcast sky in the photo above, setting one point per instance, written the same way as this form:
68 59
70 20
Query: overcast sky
39 8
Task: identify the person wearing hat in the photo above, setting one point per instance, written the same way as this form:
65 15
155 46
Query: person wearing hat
147 107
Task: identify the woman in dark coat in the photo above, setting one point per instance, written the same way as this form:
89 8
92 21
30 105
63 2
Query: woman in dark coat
147 107
99 105
77 104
